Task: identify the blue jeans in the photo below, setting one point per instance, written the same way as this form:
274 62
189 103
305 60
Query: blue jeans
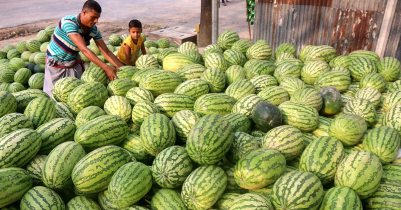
223 1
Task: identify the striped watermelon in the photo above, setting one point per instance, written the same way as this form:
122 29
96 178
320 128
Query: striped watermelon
36 81
106 201
232 186
157 133
87 114
234 73
308 96
210 139
183 122
187 46
301 116
120 87
13 53
312 70
275 95
285 48
360 171
4 86
292 85
216 60
246 104
259 168
391 100
239 122
215 78
242 45
16 87
234 57
167 199
242 144
337 79
392 118
323 52
259 51
374 80
391 175
8 103
362 108
240 89
40 58
193 88
384 142
95 74
369 93
259 67
7 76
341 198
321 157
297 190
225 201
287 70
126 72
133 145
366 54
55 132
361 66
119 106
203 187
163 54
82 202
40 111
12 122
137 76
35 167
14 183
171 167
42 36
129 184
284 56
395 86
93 172
138 94
22 76
174 61
390 68
16 64
386 197
207 52
21 46
214 103
190 71
323 127
146 61
171 103
263 81
341 69
251 201
56 173
42 198
286 139
160 82
194 55
348 128
26 96
142 110
64 87
340 61
63 110
101 131
115 40
227 39
87 94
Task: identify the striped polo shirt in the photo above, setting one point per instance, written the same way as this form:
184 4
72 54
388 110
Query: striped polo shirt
61 46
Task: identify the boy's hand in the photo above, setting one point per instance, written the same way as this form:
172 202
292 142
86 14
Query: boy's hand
111 74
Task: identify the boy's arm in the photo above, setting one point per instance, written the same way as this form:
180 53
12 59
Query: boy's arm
128 55
143 49
108 54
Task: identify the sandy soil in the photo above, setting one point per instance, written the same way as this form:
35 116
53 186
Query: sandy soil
23 20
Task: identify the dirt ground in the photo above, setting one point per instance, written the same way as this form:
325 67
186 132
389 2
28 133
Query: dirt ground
19 23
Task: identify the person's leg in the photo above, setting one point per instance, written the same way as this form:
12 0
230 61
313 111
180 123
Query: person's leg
224 2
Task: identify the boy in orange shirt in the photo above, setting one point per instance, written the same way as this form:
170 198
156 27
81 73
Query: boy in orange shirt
131 46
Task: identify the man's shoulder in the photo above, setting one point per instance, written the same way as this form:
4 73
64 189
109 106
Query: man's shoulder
70 17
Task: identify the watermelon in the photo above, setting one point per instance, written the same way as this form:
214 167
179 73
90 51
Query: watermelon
341 197
160 82
82 202
126 72
250 201
392 118
391 100
323 52
259 67
225 201
308 96
190 71
35 167
4 86
142 110
179 167
16 87
227 39
285 48
240 89
95 74
203 187
87 114
391 174
171 103
215 78
146 61
214 103
193 88
187 46
94 171
239 122
340 61
36 81
216 60
395 86
22 76
174 61
348 128
138 94
259 51
41 197
292 85
242 45
386 197
56 173
259 168
246 104
312 70
263 81
13 53
234 57
362 108
7 76
210 139
242 144
101 131
8 103
360 171
8 47
133 145
287 70
297 190
15 183
366 54
390 68
115 40
195 56
323 128
287 139
119 106
301 116
40 111
55 132
63 110
332 101
339 80
167 198
163 43
64 87
183 122
16 64
384 142
12 122
33 45
120 87
374 80
87 94
207 52
266 116
157 133
275 95
361 66
371 94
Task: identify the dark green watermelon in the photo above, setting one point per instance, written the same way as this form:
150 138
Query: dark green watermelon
332 101
266 116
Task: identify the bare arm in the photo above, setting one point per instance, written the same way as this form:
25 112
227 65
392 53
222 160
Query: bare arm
128 55
108 54
143 49
80 43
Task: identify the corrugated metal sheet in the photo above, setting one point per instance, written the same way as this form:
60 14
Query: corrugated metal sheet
347 25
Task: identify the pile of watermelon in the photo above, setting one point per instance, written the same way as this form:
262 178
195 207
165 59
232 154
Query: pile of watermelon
239 126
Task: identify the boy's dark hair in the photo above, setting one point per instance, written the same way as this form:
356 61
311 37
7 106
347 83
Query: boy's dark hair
92 5
135 24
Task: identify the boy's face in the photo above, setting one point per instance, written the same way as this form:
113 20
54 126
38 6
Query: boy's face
135 32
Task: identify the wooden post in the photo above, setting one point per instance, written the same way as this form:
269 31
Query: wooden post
205 28
386 27
247 20
215 20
